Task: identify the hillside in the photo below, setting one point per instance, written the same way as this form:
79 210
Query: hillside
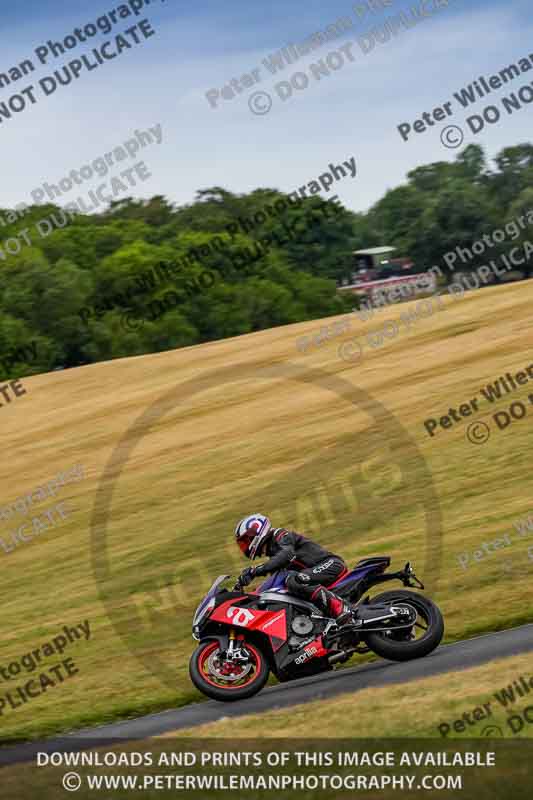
249 424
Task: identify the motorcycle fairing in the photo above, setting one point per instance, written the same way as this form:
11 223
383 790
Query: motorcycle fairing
272 623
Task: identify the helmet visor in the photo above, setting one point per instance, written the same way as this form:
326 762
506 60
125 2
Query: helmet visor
244 544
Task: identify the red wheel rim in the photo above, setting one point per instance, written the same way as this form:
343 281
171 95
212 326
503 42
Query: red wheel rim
210 649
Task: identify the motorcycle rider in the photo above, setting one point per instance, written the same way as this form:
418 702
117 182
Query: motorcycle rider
314 567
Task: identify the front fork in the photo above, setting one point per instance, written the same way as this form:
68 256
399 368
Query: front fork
235 652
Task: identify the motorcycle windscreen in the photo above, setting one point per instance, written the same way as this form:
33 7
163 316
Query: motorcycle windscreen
211 593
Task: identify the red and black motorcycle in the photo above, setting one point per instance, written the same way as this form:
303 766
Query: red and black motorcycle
245 636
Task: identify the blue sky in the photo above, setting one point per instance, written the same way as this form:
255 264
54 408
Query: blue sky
202 46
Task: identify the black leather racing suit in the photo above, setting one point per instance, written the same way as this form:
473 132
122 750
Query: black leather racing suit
315 567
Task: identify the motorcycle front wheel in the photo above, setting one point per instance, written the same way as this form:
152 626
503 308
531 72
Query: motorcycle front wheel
224 680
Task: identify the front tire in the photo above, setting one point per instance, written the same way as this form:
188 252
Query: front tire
222 681
397 647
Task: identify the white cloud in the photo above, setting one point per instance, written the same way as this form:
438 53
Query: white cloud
353 112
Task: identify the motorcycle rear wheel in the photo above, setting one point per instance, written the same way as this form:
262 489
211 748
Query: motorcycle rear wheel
396 646
207 673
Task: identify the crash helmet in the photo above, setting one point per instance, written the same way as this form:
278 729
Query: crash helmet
252 533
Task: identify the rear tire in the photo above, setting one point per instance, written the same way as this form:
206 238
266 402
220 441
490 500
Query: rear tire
395 650
211 683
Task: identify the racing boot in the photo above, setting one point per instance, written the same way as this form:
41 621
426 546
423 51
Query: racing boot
332 605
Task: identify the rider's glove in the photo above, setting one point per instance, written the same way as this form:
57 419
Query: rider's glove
247 576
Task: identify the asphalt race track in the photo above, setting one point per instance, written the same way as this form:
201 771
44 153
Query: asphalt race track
447 658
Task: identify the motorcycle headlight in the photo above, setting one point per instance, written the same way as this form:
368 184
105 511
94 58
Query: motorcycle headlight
200 615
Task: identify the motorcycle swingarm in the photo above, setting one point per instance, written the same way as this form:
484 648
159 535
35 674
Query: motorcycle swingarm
360 631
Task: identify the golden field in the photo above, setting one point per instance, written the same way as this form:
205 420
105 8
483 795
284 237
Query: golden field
177 446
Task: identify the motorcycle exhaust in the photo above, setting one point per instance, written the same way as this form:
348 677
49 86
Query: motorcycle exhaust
343 655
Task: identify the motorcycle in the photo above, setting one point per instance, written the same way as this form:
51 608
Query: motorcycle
244 636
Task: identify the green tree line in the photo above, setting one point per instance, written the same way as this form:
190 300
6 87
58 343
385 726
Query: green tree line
272 260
